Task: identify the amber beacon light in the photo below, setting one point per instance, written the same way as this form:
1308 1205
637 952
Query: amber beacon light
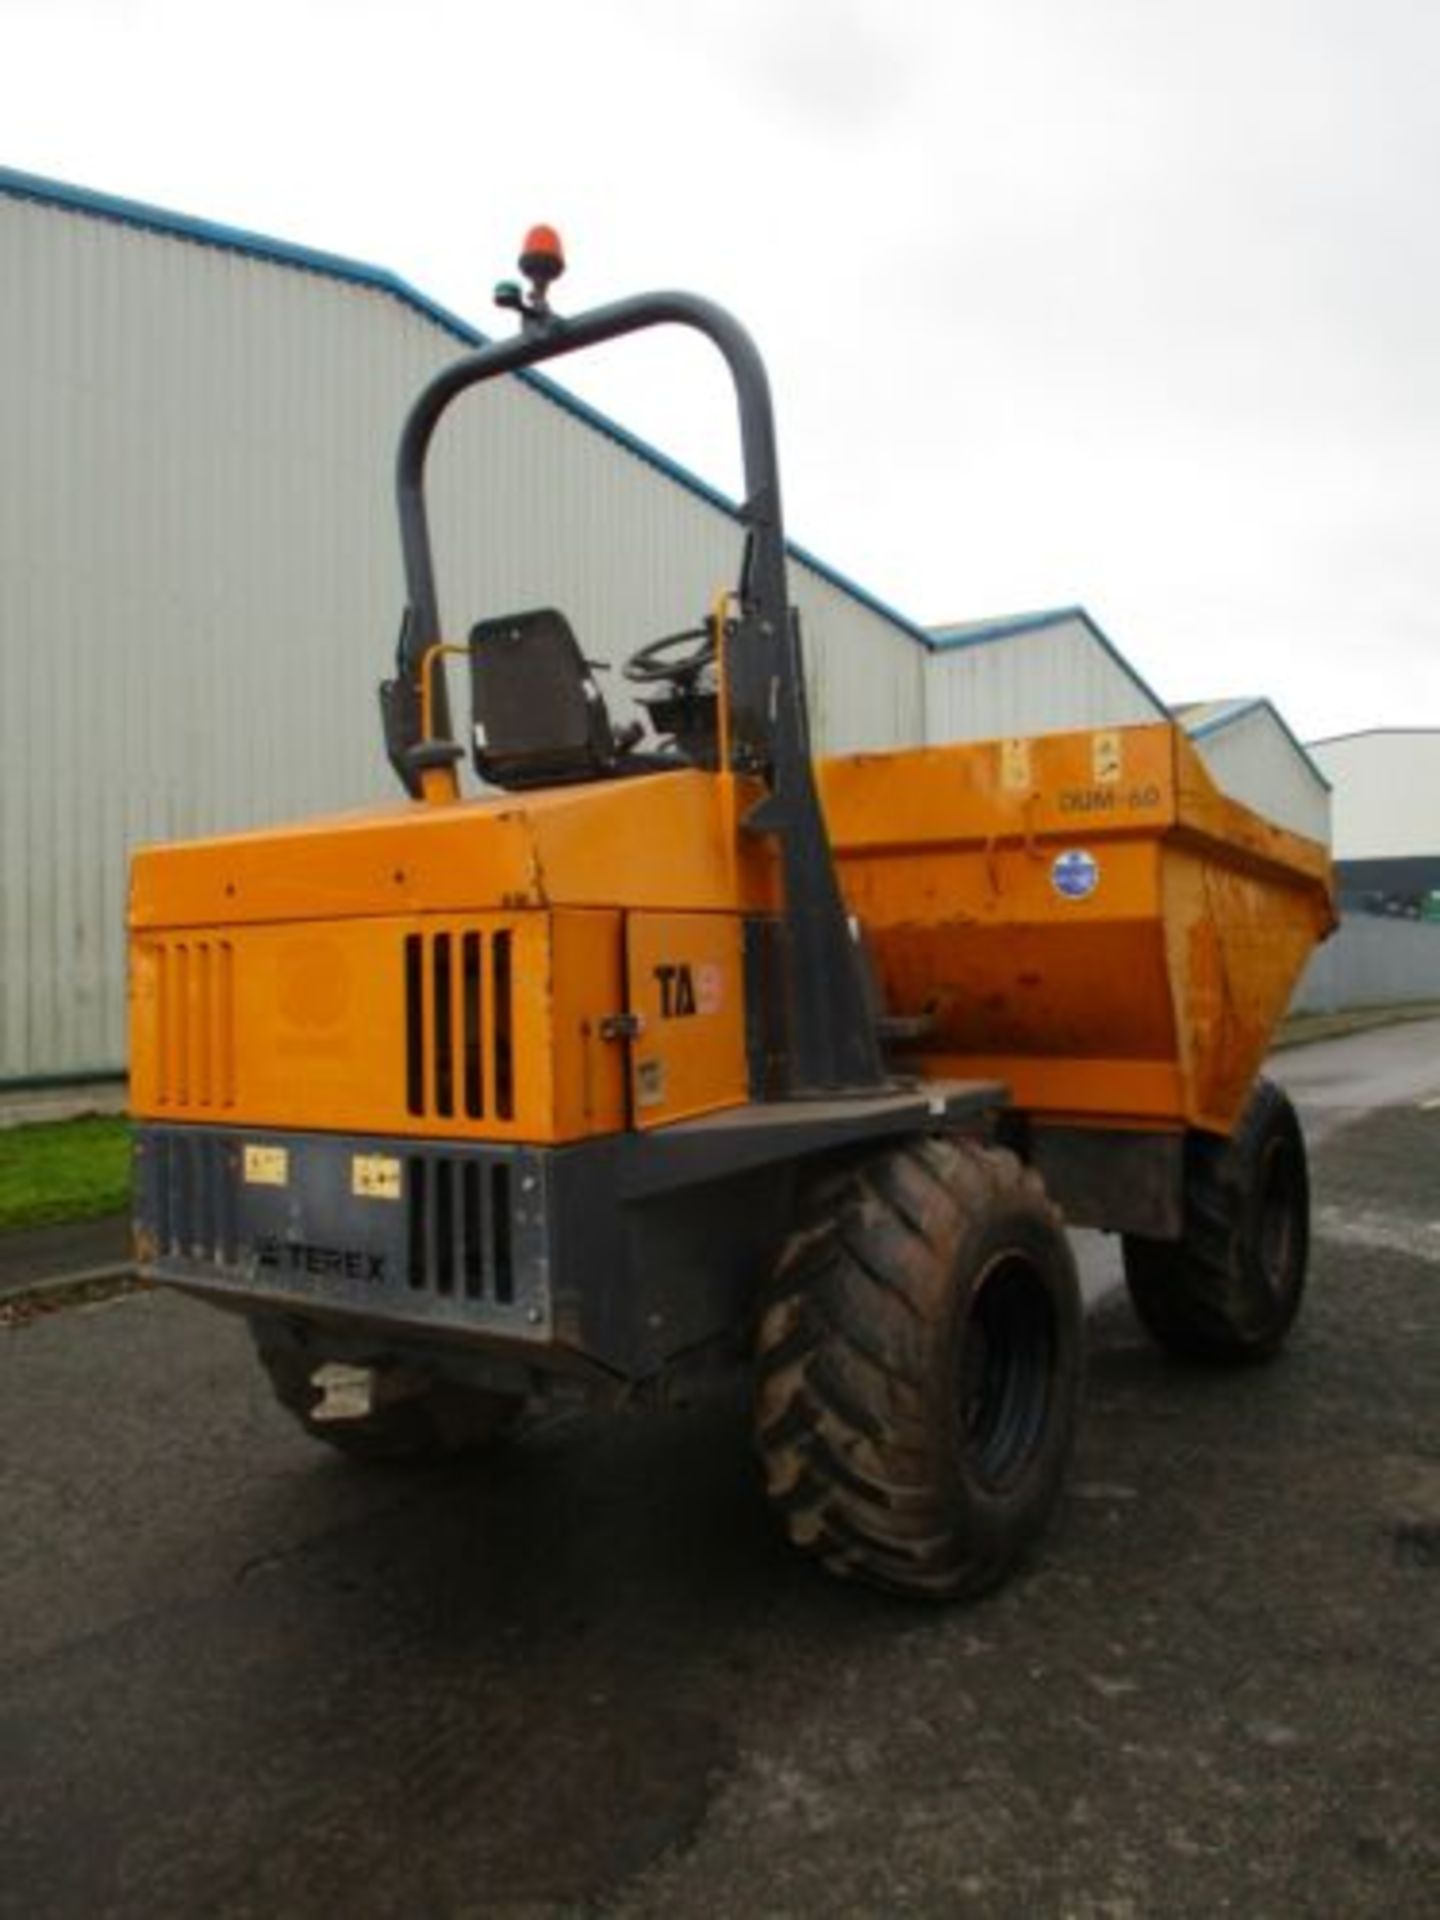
542 258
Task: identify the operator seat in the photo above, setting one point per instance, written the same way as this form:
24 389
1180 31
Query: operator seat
538 717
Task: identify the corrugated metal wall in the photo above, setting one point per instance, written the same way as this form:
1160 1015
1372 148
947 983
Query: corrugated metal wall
199 576
1045 680
1387 792
1251 757
1371 962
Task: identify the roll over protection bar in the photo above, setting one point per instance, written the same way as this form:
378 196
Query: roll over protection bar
764 588
832 1037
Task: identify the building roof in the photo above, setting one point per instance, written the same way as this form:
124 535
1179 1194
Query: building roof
979 633
1378 733
284 253
1201 718
964 633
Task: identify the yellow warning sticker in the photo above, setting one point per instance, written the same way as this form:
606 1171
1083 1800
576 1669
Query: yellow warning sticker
267 1166
1015 766
1105 758
375 1176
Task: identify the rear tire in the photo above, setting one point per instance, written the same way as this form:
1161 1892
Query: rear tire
422 1420
919 1368
1229 1291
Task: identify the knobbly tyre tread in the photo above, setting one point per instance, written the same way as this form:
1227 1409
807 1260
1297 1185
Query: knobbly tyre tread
857 1420
445 1420
1205 1297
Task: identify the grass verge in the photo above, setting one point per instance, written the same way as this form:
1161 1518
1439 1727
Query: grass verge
63 1170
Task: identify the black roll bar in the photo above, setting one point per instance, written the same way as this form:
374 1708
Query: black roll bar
760 513
832 1038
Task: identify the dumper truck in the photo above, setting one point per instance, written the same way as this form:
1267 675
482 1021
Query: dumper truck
662 1050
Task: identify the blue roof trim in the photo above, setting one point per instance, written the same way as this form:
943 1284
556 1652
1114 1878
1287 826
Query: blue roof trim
980 633
945 640
257 246
1124 665
1238 709
1230 711
210 233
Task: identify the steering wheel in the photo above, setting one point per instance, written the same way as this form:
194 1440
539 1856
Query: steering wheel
661 660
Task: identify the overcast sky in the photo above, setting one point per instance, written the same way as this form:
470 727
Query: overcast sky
1134 303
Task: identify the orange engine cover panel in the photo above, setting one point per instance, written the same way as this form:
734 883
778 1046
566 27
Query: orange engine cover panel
484 1025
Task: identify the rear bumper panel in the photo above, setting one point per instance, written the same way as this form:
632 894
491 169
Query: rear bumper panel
446 1240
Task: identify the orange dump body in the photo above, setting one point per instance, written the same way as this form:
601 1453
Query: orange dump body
1084 916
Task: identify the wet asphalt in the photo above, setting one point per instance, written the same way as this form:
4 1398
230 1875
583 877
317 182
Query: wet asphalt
584 1675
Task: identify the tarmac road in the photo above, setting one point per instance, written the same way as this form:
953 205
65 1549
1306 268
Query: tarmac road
1334 1082
243 1678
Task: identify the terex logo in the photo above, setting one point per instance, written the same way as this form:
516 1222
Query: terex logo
686 990
298 1256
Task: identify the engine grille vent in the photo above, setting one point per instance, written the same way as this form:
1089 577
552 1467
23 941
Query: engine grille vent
459 1060
195 1024
460 1229
194 1189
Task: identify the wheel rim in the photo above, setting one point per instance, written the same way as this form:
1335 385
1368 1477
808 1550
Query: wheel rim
1006 1367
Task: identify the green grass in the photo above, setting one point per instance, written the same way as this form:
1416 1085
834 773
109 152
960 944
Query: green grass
68 1170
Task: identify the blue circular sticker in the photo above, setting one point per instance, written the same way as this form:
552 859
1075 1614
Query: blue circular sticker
1076 874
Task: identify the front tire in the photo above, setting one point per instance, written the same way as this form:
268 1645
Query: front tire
919 1368
1228 1292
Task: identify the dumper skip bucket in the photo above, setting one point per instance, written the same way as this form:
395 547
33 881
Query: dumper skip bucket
1084 916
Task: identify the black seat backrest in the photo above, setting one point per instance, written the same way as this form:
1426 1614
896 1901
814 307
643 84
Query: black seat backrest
538 716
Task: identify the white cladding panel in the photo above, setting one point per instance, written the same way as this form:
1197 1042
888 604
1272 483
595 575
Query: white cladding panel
865 677
1387 793
1255 761
200 583
1048 679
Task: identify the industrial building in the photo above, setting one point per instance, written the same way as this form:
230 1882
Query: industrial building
1387 819
200 583
1031 673
1253 756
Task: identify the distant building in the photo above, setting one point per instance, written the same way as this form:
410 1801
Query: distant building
1253 756
1387 818
1028 673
